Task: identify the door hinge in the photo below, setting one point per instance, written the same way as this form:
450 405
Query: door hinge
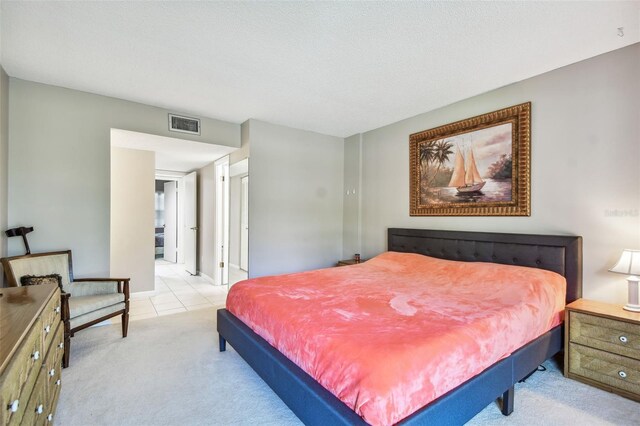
222 264
222 178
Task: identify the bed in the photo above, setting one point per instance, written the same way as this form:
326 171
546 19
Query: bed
313 404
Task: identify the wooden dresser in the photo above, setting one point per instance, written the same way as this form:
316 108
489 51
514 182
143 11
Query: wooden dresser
31 349
602 347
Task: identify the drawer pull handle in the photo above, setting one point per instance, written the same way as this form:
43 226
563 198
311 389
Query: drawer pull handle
52 372
47 329
40 409
35 355
58 382
623 339
57 309
50 417
622 374
61 345
13 407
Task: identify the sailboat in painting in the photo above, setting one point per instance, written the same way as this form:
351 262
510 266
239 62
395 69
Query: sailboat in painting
466 178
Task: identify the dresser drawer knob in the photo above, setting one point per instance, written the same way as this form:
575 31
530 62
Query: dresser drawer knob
47 329
40 409
58 382
13 407
52 372
50 417
57 309
623 339
622 374
61 345
35 355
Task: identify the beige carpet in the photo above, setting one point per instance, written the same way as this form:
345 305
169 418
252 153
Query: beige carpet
169 372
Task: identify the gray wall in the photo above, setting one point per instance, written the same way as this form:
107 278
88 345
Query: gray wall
352 186
585 153
4 165
295 199
59 149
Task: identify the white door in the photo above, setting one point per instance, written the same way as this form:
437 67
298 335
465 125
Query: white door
222 221
190 223
170 222
244 223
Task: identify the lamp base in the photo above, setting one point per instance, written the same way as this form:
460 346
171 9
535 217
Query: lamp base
633 302
632 308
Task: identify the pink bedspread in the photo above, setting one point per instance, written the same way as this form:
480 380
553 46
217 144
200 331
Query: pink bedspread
390 335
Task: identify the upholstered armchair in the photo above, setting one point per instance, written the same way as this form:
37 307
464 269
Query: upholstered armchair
85 301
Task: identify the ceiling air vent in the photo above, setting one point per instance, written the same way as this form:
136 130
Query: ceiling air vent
178 123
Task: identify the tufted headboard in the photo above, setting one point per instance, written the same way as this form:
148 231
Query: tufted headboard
557 253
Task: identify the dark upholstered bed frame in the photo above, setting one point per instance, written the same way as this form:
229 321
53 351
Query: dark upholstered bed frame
314 405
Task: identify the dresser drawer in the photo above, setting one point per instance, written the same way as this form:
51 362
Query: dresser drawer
53 403
606 368
18 380
36 410
53 363
51 315
609 335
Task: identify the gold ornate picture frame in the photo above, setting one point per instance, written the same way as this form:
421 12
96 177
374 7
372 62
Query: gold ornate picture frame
480 166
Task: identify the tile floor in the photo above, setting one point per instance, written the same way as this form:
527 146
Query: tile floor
178 291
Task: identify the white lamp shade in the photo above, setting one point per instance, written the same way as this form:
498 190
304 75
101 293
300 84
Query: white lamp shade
629 263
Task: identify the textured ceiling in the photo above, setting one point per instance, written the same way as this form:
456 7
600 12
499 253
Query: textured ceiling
337 68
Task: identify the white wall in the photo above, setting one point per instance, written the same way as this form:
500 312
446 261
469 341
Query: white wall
59 149
207 220
295 199
132 217
585 154
4 165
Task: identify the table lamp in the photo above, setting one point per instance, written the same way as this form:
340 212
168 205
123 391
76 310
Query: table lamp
629 264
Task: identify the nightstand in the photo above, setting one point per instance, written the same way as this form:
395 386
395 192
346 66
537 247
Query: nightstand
348 262
602 347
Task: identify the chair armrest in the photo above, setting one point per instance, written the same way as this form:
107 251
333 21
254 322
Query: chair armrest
92 287
100 279
123 284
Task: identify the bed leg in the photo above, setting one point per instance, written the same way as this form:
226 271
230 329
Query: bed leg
507 401
222 343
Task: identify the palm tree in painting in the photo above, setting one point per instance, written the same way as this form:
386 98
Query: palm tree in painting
433 154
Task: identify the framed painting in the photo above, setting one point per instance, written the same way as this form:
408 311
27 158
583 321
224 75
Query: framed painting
474 167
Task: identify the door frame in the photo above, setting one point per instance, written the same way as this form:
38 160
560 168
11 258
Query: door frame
244 210
221 274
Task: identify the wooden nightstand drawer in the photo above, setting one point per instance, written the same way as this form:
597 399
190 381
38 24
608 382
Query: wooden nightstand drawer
606 368
602 347
609 335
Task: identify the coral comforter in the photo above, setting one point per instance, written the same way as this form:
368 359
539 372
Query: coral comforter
391 335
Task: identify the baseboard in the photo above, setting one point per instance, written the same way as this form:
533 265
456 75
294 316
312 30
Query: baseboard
233 265
207 278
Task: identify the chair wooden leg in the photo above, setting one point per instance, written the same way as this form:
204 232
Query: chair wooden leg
67 351
125 323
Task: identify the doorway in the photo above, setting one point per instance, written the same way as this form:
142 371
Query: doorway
136 233
222 221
